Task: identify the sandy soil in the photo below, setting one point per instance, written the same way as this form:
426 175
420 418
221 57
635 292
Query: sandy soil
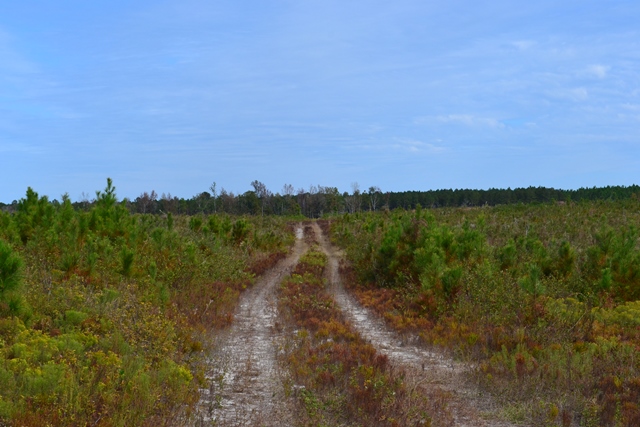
244 385
432 371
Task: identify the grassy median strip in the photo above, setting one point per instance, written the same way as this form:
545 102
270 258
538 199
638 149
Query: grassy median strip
337 377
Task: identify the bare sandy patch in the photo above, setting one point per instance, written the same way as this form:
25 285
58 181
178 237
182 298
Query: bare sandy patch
244 386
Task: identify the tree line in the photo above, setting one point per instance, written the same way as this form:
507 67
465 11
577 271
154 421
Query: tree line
320 200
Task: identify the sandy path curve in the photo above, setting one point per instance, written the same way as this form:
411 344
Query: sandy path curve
244 386
433 372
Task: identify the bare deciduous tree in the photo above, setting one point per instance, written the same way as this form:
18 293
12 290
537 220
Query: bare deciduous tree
85 200
288 190
146 202
169 203
214 195
302 200
374 196
352 202
227 201
262 192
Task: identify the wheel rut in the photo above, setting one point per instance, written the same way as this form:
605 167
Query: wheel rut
434 373
243 382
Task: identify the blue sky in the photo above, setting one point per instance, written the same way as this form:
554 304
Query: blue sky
405 95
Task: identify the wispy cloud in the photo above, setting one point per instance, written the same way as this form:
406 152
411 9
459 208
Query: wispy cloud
598 70
198 87
17 147
416 146
577 94
11 61
629 112
400 146
523 44
469 120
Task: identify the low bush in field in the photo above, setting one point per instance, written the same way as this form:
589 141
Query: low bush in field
542 298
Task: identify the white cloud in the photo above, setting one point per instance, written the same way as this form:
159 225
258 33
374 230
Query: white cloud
415 146
523 44
470 120
18 147
632 107
576 94
11 60
598 70
405 145
579 94
630 112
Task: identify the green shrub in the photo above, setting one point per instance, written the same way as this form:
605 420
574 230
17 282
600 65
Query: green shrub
195 223
74 318
126 257
240 230
507 255
10 270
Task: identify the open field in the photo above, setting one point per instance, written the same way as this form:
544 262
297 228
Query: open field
541 300
106 317
509 315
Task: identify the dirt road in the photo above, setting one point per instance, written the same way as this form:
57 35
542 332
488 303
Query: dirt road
244 387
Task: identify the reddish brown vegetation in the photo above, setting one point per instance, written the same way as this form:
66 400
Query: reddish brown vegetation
263 262
339 377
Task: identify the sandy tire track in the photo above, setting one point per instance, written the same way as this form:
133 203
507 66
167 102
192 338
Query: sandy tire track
434 373
244 384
